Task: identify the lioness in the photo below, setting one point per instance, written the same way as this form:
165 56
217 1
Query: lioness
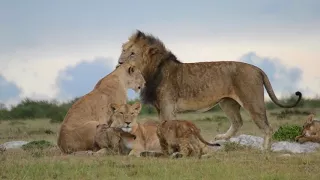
114 140
79 125
173 86
181 136
125 117
311 131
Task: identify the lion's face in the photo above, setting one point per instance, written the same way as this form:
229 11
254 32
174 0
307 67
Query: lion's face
124 115
130 52
135 79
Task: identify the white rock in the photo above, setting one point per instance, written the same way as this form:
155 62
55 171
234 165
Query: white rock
256 142
14 144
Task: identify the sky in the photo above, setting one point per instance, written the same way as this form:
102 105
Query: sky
60 49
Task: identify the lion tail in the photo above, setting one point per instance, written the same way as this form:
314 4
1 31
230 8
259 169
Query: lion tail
273 97
204 141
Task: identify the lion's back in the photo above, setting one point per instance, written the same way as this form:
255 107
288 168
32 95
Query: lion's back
178 129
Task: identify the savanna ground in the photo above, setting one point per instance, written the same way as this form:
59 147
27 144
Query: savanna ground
235 162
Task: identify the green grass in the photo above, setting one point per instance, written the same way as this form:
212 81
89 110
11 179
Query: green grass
236 162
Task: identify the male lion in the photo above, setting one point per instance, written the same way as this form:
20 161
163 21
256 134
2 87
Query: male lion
173 86
181 136
114 140
125 117
79 125
311 131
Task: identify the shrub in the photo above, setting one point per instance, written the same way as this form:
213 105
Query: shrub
289 112
42 144
287 132
56 114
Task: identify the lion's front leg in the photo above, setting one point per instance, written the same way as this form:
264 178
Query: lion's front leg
304 139
167 111
232 110
298 137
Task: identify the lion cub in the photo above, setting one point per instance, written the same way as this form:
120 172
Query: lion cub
181 136
146 142
311 131
112 140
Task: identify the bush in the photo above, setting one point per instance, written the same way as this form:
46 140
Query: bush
287 132
289 112
56 114
31 109
42 144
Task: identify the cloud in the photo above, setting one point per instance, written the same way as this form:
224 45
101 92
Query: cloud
284 79
8 90
78 80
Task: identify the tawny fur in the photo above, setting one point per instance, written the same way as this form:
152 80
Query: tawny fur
182 136
173 86
311 130
114 140
125 117
79 125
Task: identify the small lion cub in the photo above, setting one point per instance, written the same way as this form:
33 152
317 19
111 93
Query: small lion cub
311 131
112 140
182 138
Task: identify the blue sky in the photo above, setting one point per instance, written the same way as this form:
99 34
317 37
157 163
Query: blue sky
47 47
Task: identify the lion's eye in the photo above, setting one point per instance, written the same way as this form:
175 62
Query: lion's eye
121 113
132 54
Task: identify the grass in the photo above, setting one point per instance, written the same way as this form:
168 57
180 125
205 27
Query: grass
235 162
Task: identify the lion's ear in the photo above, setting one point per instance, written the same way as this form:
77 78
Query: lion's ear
137 107
131 69
310 118
114 107
137 35
152 50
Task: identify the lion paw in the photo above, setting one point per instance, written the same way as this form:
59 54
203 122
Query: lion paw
176 155
151 154
221 137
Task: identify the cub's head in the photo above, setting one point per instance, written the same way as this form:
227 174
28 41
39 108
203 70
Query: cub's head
132 77
109 136
124 116
111 132
309 126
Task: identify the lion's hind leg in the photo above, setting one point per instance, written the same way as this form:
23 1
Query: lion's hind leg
232 110
255 105
184 149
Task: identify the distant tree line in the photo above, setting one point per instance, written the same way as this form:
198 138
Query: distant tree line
32 109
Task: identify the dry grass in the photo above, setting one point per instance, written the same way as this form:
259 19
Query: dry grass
236 163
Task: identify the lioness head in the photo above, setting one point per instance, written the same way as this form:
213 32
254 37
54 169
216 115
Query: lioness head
134 78
124 116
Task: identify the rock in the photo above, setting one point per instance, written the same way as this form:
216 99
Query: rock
295 147
256 142
13 144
